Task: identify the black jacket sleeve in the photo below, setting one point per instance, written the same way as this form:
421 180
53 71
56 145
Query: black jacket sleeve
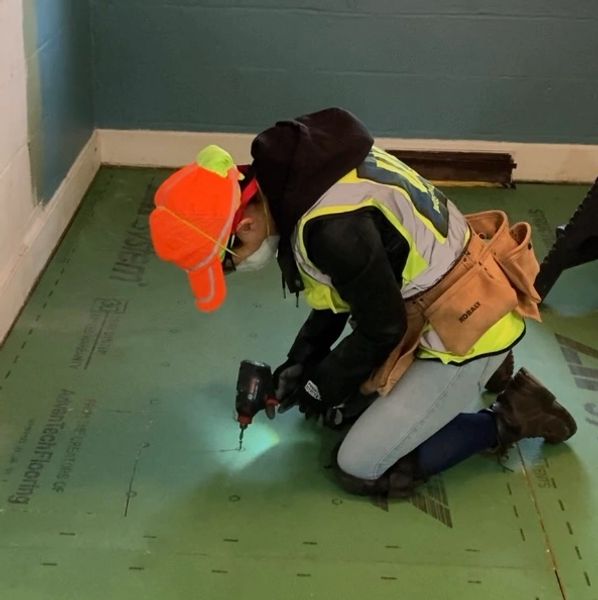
319 332
351 251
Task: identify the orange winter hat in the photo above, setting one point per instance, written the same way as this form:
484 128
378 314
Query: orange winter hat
192 222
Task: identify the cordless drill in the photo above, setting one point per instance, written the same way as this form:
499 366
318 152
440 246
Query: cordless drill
255 392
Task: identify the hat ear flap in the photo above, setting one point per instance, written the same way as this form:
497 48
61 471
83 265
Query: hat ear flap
208 287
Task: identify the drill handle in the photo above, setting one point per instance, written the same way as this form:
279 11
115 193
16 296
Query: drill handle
271 405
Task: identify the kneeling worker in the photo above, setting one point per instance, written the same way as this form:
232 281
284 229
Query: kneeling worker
436 299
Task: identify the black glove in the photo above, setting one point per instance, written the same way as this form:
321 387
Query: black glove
308 399
311 404
287 378
345 414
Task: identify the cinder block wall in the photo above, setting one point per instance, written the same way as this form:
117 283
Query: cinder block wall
59 90
495 70
46 118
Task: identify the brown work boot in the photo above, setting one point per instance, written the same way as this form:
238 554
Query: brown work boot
501 377
527 409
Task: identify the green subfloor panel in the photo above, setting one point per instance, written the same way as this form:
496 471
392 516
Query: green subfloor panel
120 475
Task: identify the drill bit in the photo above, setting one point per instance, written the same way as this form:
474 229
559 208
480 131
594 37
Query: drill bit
243 428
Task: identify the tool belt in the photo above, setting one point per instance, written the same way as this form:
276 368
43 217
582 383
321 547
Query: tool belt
494 276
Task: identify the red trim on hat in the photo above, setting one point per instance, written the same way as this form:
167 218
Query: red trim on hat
249 191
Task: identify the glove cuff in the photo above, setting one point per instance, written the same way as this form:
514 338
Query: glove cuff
311 389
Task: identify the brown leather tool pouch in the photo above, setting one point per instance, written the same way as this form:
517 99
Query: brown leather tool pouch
461 307
521 267
513 250
472 302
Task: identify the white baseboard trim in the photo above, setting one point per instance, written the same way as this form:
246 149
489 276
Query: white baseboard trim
142 148
548 163
46 226
572 163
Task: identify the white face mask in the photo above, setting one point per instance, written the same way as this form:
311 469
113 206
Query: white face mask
258 259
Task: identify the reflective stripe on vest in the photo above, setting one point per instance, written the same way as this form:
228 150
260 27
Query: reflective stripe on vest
433 227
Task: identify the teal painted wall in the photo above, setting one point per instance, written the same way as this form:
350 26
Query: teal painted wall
60 91
496 70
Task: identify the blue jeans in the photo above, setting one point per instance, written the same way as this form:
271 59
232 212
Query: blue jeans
432 409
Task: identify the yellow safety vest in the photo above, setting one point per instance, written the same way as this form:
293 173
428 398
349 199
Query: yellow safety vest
433 227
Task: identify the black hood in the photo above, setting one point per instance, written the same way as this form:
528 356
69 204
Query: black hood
297 161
